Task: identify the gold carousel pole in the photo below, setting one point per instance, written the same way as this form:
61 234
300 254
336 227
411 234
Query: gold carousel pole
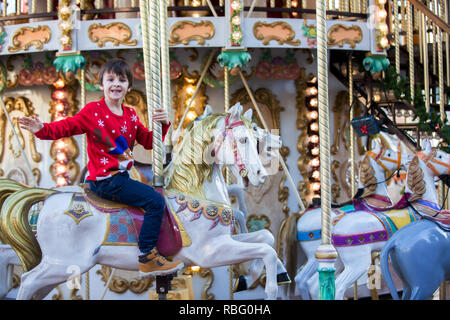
410 44
396 37
165 64
155 63
326 254
352 147
425 62
226 91
442 187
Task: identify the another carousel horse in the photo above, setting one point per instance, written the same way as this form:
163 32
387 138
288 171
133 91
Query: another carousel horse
306 231
357 234
195 194
420 251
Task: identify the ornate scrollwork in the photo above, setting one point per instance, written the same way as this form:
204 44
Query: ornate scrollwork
121 285
340 34
186 31
25 106
115 32
26 37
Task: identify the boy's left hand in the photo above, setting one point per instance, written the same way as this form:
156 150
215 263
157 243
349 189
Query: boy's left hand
160 115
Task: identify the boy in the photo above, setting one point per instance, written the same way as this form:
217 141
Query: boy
111 130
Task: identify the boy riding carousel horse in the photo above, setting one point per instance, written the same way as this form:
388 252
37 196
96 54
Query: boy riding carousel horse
111 131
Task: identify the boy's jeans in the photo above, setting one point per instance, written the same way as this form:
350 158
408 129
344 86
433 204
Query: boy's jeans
123 189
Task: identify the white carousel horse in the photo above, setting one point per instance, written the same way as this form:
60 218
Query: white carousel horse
360 233
307 230
62 242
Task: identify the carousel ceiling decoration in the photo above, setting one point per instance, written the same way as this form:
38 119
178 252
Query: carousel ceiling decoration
115 32
186 31
340 34
26 37
280 31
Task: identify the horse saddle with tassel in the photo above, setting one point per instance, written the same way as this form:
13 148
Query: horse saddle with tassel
125 222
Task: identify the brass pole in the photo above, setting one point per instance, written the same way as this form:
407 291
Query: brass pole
165 64
410 44
425 63
326 254
396 26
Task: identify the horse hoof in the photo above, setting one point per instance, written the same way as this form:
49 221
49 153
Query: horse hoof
283 278
240 284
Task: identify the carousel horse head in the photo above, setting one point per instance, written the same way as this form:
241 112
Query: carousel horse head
236 146
376 162
225 139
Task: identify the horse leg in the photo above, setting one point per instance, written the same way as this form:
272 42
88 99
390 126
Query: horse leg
229 251
38 282
302 277
357 261
256 267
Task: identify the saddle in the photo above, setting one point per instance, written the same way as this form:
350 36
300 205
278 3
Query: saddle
169 241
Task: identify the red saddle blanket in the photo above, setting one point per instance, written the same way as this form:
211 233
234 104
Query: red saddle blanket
169 241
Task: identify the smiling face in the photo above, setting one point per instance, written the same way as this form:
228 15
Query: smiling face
115 86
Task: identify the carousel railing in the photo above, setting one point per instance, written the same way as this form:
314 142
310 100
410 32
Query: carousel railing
25 11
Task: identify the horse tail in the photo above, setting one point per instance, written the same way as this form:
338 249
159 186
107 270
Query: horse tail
15 227
384 263
291 245
8 187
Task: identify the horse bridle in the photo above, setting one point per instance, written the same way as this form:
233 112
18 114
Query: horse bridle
378 157
228 131
430 159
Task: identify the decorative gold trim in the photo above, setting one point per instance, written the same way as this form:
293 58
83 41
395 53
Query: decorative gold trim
352 41
40 35
121 285
197 31
115 32
267 32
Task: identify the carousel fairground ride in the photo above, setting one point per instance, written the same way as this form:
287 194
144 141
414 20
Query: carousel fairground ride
308 156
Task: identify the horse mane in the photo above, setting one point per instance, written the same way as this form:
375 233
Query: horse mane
367 177
415 180
189 169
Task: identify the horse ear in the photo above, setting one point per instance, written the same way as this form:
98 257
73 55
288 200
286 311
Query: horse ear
375 145
235 112
427 146
248 114
208 111
399 146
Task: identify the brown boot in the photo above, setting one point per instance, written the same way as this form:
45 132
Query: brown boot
153 264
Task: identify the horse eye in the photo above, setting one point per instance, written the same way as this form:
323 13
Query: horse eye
243 140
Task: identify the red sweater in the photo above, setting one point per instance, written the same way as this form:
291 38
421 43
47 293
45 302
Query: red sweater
110 138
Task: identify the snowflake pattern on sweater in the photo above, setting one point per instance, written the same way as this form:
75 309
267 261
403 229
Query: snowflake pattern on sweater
110 137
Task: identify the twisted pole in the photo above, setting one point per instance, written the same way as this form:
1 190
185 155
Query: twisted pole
410 45
326 254
165 61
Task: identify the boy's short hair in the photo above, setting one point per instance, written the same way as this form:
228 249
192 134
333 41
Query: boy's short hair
117 66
